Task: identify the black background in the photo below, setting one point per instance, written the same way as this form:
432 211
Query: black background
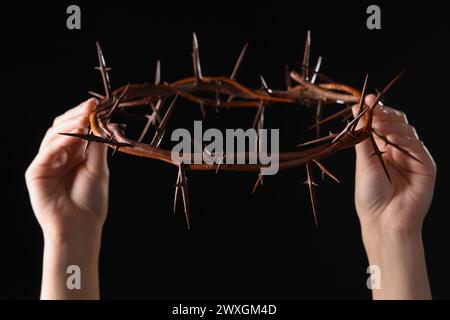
239 246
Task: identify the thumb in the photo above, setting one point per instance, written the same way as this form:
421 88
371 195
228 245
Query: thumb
97 159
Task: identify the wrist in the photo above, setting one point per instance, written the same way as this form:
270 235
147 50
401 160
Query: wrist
62 253
82 243
380 242
399 256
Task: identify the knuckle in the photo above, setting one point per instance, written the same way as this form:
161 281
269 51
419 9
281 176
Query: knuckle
57 119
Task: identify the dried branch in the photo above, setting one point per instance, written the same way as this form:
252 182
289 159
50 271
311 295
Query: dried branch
305 91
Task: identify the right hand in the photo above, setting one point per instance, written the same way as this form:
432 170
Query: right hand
69 194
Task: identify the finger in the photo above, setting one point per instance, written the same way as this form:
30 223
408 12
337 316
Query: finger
96 162
417 148
364 148
68 125
83 108
52 156
392 127
384 113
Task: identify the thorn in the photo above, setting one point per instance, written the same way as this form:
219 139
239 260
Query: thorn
361 102
95 94
146 127
306 55
218 165
326 171
258 115
318 117
218 85
312 191
177 189
323 139
118 100
316 70
239 62
229 99
93 138
259 182
396 146
264 85
184 193
155 110
86 145
380 96
158 73
162 126
380 156
345 131
338 114
103 71
202 110
196 58
287 77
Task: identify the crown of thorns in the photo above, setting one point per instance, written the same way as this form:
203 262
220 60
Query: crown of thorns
306 87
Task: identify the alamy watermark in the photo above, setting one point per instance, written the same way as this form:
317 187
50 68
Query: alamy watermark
374 20
374 281
230 148
74 279
73 21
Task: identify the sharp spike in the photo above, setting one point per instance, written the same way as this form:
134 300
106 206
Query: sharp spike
158 73
97 95
258 183
258 115
202 110
218 165
162 126
93 138
312 192
361 102
396 146
218 85
316 70
86 145
380 96
147 126
326 171
323 139
103 71
118 100
155 110
379 155
264 85
306 55
345 131
318 118
338 114
177 190
287 77
184 193
196 57
237 66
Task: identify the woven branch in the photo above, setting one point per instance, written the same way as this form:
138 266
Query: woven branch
301 89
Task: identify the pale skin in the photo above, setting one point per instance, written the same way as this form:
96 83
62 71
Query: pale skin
69 196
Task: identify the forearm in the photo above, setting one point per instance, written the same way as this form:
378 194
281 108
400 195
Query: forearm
58 256
401 259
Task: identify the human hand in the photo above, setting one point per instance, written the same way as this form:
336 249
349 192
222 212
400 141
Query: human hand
392 213
402 204
69 196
